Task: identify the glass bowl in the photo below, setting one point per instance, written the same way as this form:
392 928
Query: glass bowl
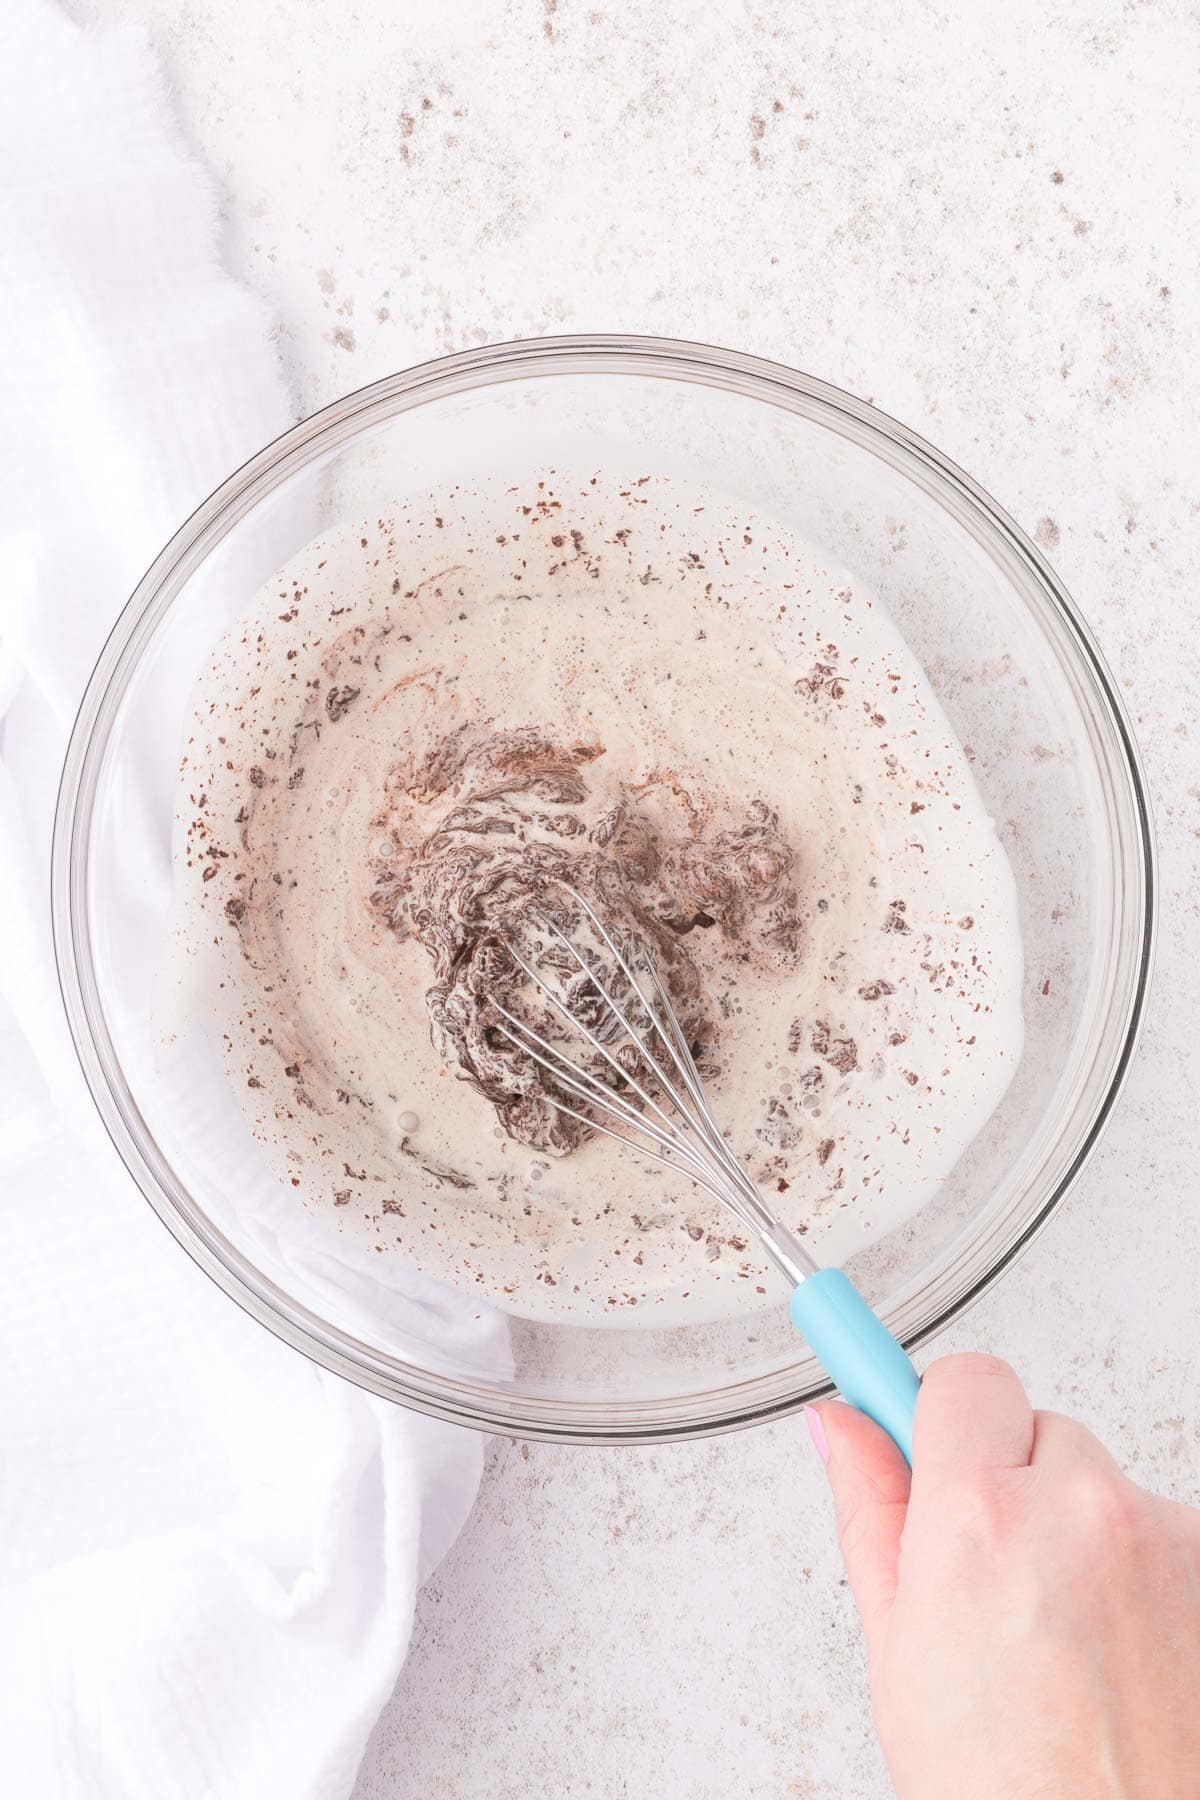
1013 666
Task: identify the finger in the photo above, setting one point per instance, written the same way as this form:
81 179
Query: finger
870 1482
972 1416
1059 1441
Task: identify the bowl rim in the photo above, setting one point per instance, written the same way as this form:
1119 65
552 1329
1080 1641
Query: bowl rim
525 1416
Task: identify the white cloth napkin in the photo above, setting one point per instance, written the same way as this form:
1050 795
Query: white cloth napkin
209 1549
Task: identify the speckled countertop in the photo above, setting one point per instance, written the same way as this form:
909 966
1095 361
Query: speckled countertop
985 220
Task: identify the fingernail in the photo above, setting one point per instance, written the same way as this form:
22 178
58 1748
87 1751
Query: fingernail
816 1432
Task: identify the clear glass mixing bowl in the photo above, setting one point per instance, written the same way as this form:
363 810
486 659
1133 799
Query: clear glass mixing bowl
1014 667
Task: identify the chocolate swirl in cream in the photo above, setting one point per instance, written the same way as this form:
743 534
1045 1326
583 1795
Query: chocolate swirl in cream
509 848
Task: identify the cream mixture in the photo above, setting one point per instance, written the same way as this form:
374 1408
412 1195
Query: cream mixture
426 725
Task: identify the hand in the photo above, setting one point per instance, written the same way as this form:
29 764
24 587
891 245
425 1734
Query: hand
1032 1618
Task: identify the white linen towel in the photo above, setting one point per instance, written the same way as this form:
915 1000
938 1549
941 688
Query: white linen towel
209 1549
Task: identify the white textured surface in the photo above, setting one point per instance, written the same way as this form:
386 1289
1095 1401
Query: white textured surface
987 224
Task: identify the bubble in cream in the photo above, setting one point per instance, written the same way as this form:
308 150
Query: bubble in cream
408 1122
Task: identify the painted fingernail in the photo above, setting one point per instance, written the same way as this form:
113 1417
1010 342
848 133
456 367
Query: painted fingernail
816 1432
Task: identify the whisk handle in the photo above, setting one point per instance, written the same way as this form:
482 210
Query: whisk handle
858 1352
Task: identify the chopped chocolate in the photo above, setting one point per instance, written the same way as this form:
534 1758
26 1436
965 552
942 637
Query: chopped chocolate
339 700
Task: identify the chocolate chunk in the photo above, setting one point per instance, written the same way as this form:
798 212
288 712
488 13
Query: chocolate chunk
338 700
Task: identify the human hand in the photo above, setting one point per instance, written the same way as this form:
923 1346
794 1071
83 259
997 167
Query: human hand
1032 1618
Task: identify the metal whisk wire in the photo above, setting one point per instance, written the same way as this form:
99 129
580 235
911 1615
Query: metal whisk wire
689 1134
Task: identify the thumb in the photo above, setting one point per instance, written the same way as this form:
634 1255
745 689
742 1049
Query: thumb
870 1482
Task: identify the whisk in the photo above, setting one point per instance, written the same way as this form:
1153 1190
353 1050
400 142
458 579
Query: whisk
674 1122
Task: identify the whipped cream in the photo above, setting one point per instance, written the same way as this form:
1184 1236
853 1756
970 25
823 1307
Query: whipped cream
591 675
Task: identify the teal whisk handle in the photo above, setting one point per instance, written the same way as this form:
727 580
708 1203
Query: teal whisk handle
858 1352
